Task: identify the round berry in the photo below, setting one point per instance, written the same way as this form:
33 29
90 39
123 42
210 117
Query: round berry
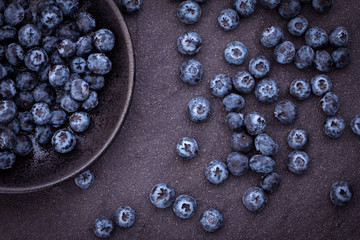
7 89
235 121
23 145
189 12
51 16
24 100
330 104
104 40
91 102
298 162
355 124
85 22
49 44
44 93
289 8
270 182
29 36
187 148
7 33
191 72
26 122
254 199
220 85
36 59
255 123
79 90
58 118
43 134
339 37
300 89
103 227
261 164
162 195
304 57
68 6
85 180
341 57
334 127
228 19
243 82
297 139
69 104
79 121
14 14
130 6
259 66
321 84
7 111
14 53
41 113
99 63
298 26
316 37
7 139
216 172
233 102
66 48
124 217
199 109
84 45
96 82
245 7
285 52
241 142
68 30
237 163
267 91
323 61
7 160
189 43
63 141
266 145
272 36
322 6
341 193
184 206
235 53
286 112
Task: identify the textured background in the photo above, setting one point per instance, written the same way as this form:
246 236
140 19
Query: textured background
144 152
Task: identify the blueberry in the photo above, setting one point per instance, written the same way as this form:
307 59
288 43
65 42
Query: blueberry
130 6
289 8
91 102
270 4
237 163
41 113
14 14
211 220
7 160
14 126
255 123
44 93
59 75
191 72
285 52
235 53
216 172
259 66
261 164
24 100
220 85
3 71
69 104
43 74
270 182
339 37
26 122
78 65
298 162
321 84
124 217
341 57
184 206
51 16
85 22
199 109
298 26
67 48
68 30
85 179
228 19
267 91
29 36
36 59
316 37
245 7
14 53
84 45
254 199
242 142
162 195
187 148
233 102
355 124
56 58
189 43
79 121
341 193
189 12
103 227
58 118
26 81
104 40
266 145
7 139
300 89
7 89
68 6
7 33
79 90
235 121
243 82
63 141
286 112
297 139
7 111
330 104
96 82
334 127
323 61
99 63
304 57
272 36
23 145
322 6
43 134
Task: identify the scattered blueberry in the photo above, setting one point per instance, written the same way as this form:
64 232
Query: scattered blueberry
330 104
259 66
285 52
7 160
255 123
254 199
199 109
104 40
59 75
162 195
189 43
355 124
103 227
63 141
270 4
79 90
36 59
41 113
272 36
267 91
189 12
68 6
243 82
29 36
300 89
184 206
242 142
286 112
220 85
245 7
130 6
266 145
99 63
297 139
44 93
233 102
14 14
85 179
58 118
321 84
124 217
322 6
187 148
24 100
91 102
85 22
323 61
84 45
237 163
304 57
341 192
235 121
191 72
43 134
216 172
7 111
235 53
341 57
23 145
270 182
334 127
316 37
298 162
289 8
26 122
261 164
339 37
7 89
211 220
79 121
298 26
51 16
14 53
228 19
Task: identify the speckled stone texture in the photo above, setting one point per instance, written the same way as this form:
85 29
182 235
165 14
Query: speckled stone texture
144 152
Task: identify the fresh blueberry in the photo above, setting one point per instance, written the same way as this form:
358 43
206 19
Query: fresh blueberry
124 217
130 6
339 37
162 195
235 121
355 124
270 182
184 206
41 113
99 63
14 14
78 65
298 162
85 22
7 111
24 100
14 53
322 6
79 121
220 85
233 102
285 52
187 148
297 139
96 82
289 8
91 102
7 33
298 26
103 227
85 179
330 104
51 16
69 104
189 12
286 112
3 71
44 93
199 109
191 72
63 141
316 37
245 7
23 145
323 61
272 36
237 163
26 81
266 145
341 57
104 40
255 123
7 139
79 90
254 199
56 59
304 57
259 66
26 122
68 7
228 19
67 48
341 193
235 53
242 142
59 75
300 89
36 59
270 4
334 127
29 36
58 118
216 172
7 160
189 43
43 134
84 45
68 30
211 220
267 91
321 84
261 164
7 89
243 82
14 126
43 74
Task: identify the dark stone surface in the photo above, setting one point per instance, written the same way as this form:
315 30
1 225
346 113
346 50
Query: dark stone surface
144 152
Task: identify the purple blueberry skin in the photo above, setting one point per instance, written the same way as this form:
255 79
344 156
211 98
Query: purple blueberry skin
84 45
85 22
79 90
242 142
7 160
199 109
26 81
14 126
300 89
233 102
14 53
322 6
96 82
187 148
191 72
58 118
285 52
228 19
29 36
130 6
7 111
7 139
24 100
68 30
216 172
270 4
69 104
298 26
286 112
321 84
272 36
36 59
289 8
43 134
3 71
44 93
270 182
244 7
124 217
316 37
341 57
235 121
323 61
243 82
261 164
184 206
41 113
297 139
236 53
211 220
237 163
339 37
85 180
355 124
254 199
304 57
14 14
255 123
330 104
56 58
298 162
59 75
23 145
267 91
79 121
162 195
51 16
341 193
63 141
99 63
26 122
104 40
7 33
189 12
7 89
265 145
103 227
259 67
91 102
68 7
220 85
67 48
189 43
334 127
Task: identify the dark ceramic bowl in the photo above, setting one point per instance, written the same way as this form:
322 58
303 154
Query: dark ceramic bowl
44 167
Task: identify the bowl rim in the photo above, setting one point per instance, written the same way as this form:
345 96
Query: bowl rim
119 124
